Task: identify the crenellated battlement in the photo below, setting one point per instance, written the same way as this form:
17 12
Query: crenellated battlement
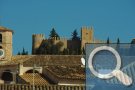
87 28
38 36
86 35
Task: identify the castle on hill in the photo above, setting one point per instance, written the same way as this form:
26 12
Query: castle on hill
47 69
67 46
39 43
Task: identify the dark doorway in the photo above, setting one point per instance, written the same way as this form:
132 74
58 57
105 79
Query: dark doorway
7 76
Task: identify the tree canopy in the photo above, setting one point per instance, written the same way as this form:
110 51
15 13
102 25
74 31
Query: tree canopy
108 41
118 41
75 35
53 34
24 52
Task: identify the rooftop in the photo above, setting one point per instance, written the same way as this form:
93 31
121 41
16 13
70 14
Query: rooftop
67 72
43 60
4 29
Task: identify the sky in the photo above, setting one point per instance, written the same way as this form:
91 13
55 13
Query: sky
109 18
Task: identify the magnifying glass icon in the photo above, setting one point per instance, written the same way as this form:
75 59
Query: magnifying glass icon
122 77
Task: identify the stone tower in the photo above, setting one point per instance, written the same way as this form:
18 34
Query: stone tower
36 42
86 36
5 43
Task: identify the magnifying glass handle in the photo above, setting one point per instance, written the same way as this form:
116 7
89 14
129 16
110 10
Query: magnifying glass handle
122 77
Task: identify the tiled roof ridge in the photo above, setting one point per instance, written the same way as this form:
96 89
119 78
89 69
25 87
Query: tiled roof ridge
5 29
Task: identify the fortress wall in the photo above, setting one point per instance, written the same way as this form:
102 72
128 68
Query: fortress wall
75 44
64 41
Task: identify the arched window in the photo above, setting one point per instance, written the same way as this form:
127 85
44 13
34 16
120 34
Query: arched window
0 38
31 71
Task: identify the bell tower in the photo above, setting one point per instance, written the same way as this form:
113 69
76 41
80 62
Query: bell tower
5 43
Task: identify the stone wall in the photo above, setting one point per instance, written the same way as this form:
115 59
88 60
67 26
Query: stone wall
64 41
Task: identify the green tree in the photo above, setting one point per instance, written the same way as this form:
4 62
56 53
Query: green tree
118 41
47 47
108 41
65 51
18 53
53 34
54 50
133 41
75 35
24 52
50 48
118 44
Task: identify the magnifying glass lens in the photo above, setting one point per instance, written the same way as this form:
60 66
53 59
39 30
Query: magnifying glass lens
104 62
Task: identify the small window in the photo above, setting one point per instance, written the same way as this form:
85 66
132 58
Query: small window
0 38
